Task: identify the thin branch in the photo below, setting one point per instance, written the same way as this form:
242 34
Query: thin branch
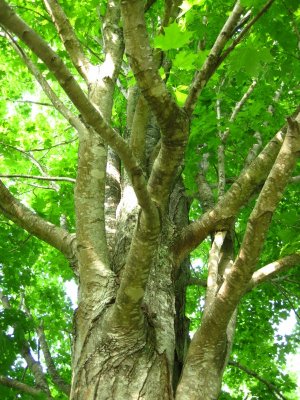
34 366
20 386
243 100
287 296
211 62
216 56
35 185
55 100
255 375
27 155
295 179
39 166
68 37
30 102
41 178
55 145
57 379
269 271
243 33
224 136
33 11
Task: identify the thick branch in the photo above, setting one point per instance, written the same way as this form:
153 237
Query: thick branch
172 120
127 312
20 386
255 375
143 64
260 218
37 226
269 271
213 268
68 37
138 129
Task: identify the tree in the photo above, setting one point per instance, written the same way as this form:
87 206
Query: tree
185 116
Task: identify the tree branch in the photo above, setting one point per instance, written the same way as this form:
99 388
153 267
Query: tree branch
143 64
91 116
211 62
216 56
55 100
37 226
68 37
34 366
220 217
30 102
57 379
20 386
172 120
197 282
245 31
266 204
255 375
41 178
269 271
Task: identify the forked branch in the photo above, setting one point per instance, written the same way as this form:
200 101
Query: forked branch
217 54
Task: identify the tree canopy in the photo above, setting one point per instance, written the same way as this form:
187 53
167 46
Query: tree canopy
228 74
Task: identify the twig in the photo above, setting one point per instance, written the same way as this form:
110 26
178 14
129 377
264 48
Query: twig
31 102
255 375
38 177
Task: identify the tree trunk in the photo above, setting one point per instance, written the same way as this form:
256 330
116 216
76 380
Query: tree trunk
144 362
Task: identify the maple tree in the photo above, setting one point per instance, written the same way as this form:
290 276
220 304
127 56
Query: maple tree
149 152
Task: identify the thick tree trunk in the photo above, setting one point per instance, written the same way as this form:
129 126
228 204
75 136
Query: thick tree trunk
144 362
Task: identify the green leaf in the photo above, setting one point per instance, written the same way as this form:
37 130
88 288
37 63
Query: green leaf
185 60
174 38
